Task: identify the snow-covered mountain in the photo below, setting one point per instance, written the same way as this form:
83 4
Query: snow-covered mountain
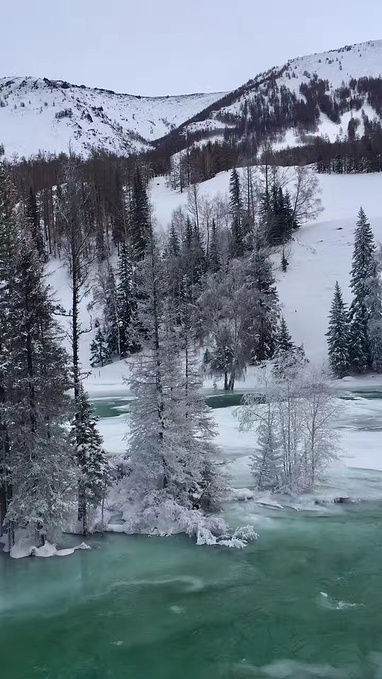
318 94
280 103
51 115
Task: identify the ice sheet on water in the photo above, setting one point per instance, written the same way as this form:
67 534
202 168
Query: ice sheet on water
288 669
326 601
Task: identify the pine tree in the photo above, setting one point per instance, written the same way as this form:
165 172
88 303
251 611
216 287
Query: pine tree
33 219
139 216
264 305
7 275
235 203
374 302
214 264
267 461
99 350
41 469
127 304
111 317
338 335
284 339
362 272
171 454
94 469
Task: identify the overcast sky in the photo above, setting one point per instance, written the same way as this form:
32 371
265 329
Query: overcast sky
157 47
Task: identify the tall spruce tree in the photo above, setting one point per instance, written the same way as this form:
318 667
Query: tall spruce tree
362 274
99 349
236 209
338 335
94 469
129 341
35 402
33 219
139 216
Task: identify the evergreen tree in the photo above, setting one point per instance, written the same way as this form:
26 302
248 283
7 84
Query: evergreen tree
33 219
94 470
139 216
338 335
7 275
267 462
235 203
171 456
362 273
111 317
264 305
214 264
374 302
40 464
99 350
127 304
284 339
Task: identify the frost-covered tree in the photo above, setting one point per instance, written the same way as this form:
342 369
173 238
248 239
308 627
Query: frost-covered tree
338 335
170 451
238 313
94 469
267 461
296 439
35 403
8 217
128 327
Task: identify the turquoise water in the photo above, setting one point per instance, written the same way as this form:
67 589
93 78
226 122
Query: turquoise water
152 608
113 407
303 601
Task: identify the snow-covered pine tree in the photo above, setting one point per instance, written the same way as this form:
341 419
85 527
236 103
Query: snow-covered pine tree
362 272
99 353
338 335
374 303
40 461
236 208
7 257
110 315
33 220
289 358
210 488
127 304
263 311
284 338
214 261
139 216
266 464
71 206
171 454
94 469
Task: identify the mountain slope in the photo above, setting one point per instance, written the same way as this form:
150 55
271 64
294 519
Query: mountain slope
316 94
41 114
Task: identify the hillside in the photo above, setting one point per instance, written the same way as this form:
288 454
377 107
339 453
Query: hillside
308 97
37 114
316 94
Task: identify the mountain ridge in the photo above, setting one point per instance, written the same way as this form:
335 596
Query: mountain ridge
41 114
